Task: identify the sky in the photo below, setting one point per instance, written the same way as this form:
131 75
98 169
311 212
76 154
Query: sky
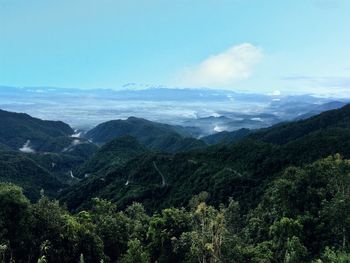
264 46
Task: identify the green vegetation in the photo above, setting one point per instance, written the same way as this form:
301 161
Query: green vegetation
226 137
111 155
280 194
153 135
20 169
49 153
18 128
303 216
282 134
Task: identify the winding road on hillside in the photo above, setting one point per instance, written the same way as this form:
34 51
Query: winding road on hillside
160 173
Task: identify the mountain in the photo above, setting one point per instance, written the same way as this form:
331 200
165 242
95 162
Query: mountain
38 154
231 121
284 133
165 105
321 108
242 170
111 155
226 137
229 137
153 135
18 168
19 130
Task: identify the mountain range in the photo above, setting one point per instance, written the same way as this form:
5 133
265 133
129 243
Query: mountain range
202 111
157 161
264 192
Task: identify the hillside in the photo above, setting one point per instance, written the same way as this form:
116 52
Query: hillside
16 129
241 170
226 137
38 154
153 135
20 169
265 200
284 133
111 155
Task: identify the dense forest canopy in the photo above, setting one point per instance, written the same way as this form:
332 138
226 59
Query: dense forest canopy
303 216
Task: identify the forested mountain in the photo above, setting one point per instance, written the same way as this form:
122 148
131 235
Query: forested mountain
303 216
281 134
18 128
153 135
240 170
111 155
332 105
19 169
226 137
279 194
37 154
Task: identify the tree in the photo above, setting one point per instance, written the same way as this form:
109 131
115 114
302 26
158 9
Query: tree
285 235
135 253
165 228
112 227
206 239
337 209
333 256
14 214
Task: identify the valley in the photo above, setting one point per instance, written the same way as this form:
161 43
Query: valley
161 168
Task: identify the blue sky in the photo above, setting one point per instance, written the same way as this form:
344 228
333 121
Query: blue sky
289 46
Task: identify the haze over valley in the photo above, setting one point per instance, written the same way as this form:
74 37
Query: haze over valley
205 111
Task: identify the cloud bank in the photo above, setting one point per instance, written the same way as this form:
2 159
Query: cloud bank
223 69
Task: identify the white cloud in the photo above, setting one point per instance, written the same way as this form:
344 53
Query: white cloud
26 148
275 93
223 69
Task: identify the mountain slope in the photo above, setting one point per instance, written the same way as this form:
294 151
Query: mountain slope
332 105
111 155
153 135
283 133
18 168
226 137
242 170
16 129
39 154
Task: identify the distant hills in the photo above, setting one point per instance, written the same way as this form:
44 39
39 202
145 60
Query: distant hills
18 128
153 135
240 170
226 137
204 111
284 133
131 186
159 164
38 154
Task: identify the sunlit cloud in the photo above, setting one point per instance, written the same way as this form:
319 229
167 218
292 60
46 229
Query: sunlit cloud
223 69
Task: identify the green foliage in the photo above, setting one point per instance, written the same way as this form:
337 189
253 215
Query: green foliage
20 169
17 128
14 214
226 137
111 155
282 134
332 256
135 253
153 135
267 199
